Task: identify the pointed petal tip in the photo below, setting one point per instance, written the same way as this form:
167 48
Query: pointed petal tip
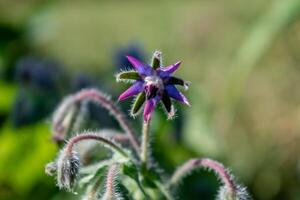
134 61
188 104
178 62
120 98
134 89
129 57
124 96
139 66
149 108
186 101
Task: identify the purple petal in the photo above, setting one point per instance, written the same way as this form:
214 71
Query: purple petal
175 94
149 108
166 71
136 88
140 67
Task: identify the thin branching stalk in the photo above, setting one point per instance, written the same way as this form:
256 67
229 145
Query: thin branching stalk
104 101
195 164
63 117
163 190
92 136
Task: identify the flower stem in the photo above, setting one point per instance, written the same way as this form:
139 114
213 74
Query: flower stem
110 190
145 143
91 136
164 190
195 164
104 101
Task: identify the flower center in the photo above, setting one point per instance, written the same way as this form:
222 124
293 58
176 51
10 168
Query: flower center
153 86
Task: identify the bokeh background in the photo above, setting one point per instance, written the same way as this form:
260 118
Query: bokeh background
243 58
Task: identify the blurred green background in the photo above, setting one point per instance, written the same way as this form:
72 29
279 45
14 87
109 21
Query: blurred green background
243 58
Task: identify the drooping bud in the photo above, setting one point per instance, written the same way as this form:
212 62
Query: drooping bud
68 164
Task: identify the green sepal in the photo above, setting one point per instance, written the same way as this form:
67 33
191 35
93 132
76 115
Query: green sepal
138 103
174 81
167 102
127 75
156 60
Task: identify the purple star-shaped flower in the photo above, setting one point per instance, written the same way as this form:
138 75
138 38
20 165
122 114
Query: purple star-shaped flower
152 84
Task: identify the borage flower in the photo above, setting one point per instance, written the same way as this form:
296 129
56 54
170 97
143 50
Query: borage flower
152 84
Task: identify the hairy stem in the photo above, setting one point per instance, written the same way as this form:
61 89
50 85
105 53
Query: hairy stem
92 193
145 143
97 96
194 164
110 192
164 190
92 136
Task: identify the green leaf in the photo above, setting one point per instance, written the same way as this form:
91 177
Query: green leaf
138 103
124 192
95 183
93 177
128 75
93 168
149 177
130 170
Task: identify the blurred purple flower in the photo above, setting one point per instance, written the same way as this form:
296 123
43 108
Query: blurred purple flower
156 83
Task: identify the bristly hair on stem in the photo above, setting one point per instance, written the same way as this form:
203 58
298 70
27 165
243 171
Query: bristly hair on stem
111 192
62 118
145 143
105 102
230 189
101 99
94 136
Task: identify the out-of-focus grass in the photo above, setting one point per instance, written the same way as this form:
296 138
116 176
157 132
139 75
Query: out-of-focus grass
7 98
23 154
279 17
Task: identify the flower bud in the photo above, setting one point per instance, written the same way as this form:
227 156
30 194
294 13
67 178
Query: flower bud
68 164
